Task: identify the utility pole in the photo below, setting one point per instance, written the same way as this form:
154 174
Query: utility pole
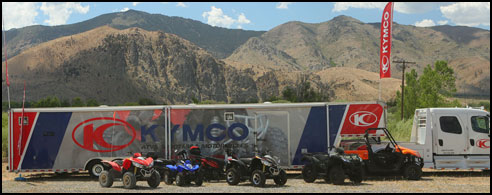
403 83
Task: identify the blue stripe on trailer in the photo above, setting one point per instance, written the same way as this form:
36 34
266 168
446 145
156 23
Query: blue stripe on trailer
46 139
336 113
314 135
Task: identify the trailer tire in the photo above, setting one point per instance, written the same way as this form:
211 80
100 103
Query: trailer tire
337 175
308 173
95 168
412 172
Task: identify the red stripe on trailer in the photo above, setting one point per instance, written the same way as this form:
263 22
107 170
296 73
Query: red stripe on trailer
457 168
26 131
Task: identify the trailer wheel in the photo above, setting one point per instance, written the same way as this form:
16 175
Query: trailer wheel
337 175
308 173
95 169
412 172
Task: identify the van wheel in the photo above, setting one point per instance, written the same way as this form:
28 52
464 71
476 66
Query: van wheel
412 172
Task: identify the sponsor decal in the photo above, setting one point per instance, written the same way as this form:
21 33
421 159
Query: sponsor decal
483 143
214 132
385 42
363 118
93 134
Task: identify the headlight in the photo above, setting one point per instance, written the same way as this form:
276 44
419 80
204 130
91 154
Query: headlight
265 162
137 165
189 166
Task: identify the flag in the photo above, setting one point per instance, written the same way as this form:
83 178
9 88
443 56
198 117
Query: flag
385 46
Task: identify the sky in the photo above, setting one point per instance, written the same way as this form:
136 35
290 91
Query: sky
259 16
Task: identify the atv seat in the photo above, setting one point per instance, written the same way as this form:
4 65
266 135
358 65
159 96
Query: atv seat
246 160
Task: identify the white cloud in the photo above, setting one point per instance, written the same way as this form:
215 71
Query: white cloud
242 19
402 7
425 23
59 13
125 9
136 3
468 13
216 17
283 5
442 22
19 14
181 4
342 6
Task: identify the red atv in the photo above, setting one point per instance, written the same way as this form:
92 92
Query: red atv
130 170
212 168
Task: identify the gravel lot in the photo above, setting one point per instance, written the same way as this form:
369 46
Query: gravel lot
432 181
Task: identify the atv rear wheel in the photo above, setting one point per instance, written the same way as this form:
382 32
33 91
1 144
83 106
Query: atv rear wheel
180 179
129 180
337 175
154 180
281 178
258 178
308 174
412 172
199 179
168 178
232 176
106 179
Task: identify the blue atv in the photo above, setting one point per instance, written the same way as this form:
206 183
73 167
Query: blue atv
183 171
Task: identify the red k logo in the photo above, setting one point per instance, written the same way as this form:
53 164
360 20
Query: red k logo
483 143
92 134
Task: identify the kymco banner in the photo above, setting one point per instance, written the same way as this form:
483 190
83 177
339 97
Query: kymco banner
385 49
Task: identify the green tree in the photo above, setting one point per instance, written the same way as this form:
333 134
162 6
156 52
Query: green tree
77 102
146 101
92 102
429 90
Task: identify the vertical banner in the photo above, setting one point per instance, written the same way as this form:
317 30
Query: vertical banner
385 46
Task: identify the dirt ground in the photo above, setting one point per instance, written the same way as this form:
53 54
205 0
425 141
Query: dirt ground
432 181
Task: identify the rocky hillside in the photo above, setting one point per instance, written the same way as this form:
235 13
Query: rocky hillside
347 42
220 42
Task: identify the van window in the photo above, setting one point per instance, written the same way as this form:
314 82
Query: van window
480 124
450 124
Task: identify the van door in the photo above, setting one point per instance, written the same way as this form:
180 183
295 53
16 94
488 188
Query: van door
451 136
478 134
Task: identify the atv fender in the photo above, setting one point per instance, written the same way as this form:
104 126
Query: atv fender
307 160
112 165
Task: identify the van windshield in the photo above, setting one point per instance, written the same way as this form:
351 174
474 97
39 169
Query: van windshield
480 124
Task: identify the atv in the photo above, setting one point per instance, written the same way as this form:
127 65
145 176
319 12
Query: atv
393 159
333 168
210 168
130 170
183 171
256 169
160 164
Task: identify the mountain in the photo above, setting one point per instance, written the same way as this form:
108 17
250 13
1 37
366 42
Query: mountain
220 42
348 42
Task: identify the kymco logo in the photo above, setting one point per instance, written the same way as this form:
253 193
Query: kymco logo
483 143
91 135
363 118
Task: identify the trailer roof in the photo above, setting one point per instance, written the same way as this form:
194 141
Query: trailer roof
189 106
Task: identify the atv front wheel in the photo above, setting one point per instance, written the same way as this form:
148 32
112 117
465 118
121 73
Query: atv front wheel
168 178
232 176
199 179
180 179
281 178
337 175
412 172
154 180
308 174
106 179
258 178
129 180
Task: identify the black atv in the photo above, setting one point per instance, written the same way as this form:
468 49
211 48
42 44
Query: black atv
160 164
334 168
257 169
391 160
